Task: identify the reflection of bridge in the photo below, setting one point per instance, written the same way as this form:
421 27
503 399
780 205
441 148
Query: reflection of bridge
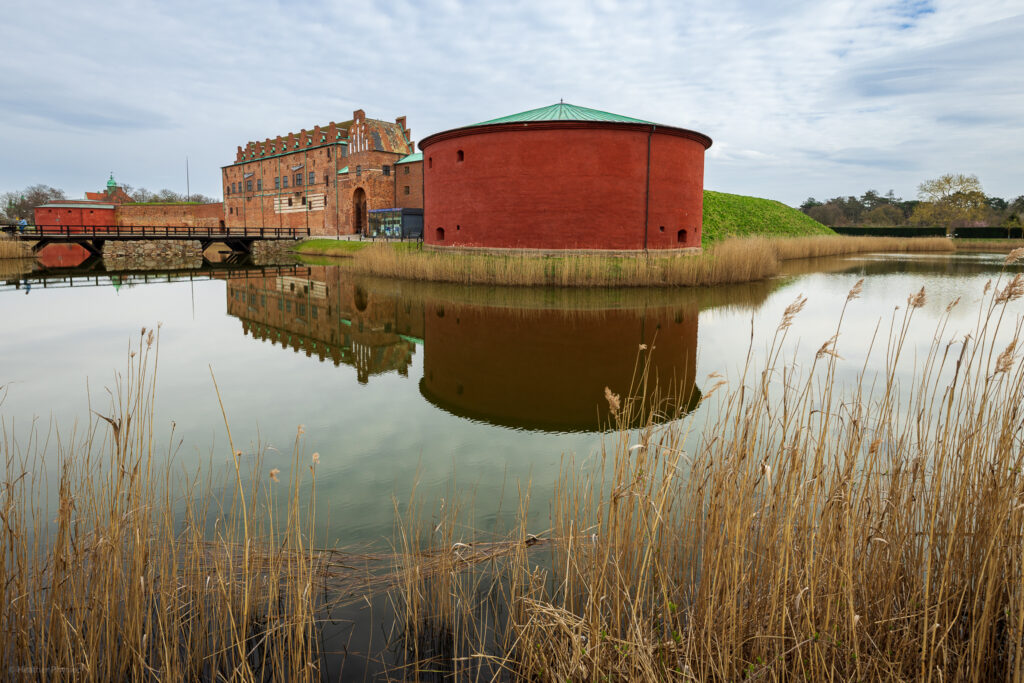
59 278
92 237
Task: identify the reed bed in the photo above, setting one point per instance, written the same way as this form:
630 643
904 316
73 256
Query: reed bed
731 261
15 268
111 571
13 249
811 531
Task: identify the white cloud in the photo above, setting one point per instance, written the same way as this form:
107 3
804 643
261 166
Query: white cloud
802 98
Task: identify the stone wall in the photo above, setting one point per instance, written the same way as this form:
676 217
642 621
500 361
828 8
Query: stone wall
152 254
273 252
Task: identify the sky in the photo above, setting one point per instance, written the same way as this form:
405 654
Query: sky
820 98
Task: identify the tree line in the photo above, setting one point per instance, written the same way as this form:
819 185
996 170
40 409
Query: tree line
952 200
20 204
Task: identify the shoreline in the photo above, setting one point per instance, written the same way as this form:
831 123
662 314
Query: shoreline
731 261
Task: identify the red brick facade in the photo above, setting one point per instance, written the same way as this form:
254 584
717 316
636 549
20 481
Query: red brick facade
556 185
174 215
324 180
77 213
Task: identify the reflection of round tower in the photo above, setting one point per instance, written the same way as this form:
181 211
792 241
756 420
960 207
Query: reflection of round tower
547 369
564 177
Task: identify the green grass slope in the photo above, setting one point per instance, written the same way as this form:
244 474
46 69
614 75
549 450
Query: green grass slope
734 215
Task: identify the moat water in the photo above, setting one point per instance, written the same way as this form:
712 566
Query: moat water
459 391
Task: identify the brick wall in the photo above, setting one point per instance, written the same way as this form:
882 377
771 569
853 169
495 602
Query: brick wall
174 215
409 176
564 185
255 194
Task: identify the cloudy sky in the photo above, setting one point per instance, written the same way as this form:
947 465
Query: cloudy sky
816 98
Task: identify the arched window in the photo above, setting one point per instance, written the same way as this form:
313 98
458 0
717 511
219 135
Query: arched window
440 234
681 237
430 162
460 156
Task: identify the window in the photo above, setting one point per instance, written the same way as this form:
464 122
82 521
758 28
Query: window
259 185
439 234
231 210
328 157
407 169
459 156
681 236
312 178
430 162
298 179
303 201
284 181
289 201
228 191
406 189
248 186
386 169
277 183
359 170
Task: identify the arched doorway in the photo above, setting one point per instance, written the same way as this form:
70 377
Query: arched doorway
359 211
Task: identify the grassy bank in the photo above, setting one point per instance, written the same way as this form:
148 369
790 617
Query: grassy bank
734 215
811 531
726 262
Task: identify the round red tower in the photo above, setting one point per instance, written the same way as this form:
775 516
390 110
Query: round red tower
564 178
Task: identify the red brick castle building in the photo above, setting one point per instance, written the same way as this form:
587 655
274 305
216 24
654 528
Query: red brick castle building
326 179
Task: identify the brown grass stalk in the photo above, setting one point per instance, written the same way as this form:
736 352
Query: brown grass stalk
812 531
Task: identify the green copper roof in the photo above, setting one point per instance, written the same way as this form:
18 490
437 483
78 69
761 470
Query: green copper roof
111 183
418 156
343 170
563 111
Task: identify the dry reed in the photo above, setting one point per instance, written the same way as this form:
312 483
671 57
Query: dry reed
13 249
730 261
110 572
811 532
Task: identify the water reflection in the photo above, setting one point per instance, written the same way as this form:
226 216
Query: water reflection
327 316
534 360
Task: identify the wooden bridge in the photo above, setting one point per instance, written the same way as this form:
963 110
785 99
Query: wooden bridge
92 237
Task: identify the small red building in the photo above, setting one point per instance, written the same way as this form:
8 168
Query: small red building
564 178
78 215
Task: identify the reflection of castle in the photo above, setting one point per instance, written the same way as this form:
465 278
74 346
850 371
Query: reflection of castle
547 369
329 316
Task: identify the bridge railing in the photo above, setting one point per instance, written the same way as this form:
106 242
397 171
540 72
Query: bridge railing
159 232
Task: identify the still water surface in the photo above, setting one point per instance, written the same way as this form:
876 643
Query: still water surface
457 388
467 391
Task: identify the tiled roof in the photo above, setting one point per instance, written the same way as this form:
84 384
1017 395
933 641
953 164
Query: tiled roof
412 158
563 111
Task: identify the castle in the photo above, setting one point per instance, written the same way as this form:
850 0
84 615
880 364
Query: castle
326 180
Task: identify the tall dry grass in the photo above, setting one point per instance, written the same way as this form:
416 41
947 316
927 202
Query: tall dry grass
13 249
728 262
812 531
114 569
